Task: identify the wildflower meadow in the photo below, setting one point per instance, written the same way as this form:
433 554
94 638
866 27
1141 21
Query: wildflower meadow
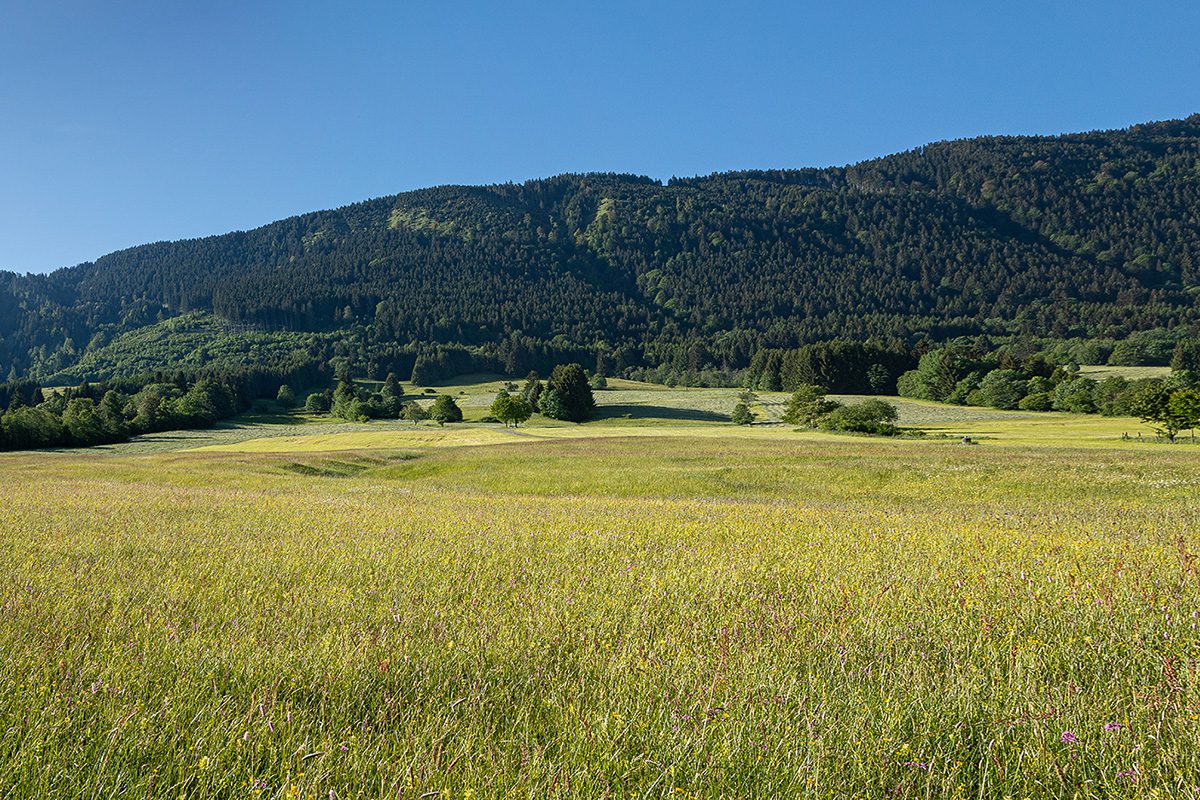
641 616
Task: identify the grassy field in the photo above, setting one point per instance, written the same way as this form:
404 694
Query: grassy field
626 409
1099 373
627 608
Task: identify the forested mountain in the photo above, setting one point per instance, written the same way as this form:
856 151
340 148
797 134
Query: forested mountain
1084 235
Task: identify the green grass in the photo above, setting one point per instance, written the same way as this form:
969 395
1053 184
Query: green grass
629 408
595 611
1099 373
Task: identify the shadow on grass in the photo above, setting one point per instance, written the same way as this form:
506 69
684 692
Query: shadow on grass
647 412
347 465
267 418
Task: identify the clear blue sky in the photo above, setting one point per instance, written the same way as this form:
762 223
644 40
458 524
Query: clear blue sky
126 122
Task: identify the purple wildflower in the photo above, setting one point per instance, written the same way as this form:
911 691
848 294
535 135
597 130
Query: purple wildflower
1069 738
1113 726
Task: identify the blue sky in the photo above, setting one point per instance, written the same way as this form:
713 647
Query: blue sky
128 122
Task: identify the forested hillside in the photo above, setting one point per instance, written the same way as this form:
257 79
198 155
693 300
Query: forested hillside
1091 235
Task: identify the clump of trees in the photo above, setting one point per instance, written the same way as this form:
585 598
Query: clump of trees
355 403
567 395
809 406
972 375
844 366
108 412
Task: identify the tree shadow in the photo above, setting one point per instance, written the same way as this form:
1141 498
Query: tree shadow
267 418
645 411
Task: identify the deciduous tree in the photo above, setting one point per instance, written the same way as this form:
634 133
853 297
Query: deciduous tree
444 410
511 409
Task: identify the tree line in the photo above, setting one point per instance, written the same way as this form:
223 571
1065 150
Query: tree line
112 411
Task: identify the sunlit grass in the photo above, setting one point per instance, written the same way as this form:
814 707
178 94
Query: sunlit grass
394 436
1058 429
741 615
1099 373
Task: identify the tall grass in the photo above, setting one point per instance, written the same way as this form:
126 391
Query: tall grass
662 618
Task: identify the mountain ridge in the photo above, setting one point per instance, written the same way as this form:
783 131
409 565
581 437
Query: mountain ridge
1090 234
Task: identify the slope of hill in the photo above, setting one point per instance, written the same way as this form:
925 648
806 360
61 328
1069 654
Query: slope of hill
1093 234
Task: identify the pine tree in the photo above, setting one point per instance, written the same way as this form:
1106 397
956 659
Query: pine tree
532 391
392 387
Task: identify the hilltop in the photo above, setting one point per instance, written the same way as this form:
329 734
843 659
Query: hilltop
1089 235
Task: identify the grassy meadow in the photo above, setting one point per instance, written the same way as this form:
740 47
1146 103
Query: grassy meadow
644 606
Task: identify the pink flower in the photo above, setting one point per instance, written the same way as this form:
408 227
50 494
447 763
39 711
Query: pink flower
916 764
1069 738
1113 726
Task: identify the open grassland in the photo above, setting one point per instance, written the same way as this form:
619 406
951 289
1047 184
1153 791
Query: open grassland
627 408
638 616
988 428
1099 373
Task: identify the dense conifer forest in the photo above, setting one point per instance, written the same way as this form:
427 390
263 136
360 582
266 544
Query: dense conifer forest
1082 240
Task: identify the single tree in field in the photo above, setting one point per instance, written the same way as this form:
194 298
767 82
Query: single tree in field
391 401
1184 406
1153 404
808 405
571 385
413 412
444 410
511 409
870 416
742 415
